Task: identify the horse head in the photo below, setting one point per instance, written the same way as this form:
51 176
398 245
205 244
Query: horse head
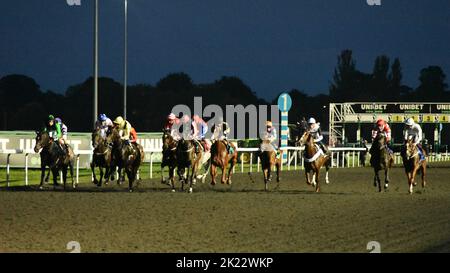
411 149
168 140
97 137
380 140
306 138
42 140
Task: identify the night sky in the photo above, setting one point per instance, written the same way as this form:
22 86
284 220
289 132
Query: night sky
272 46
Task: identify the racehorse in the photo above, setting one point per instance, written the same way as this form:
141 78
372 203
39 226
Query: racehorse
192 159
102 156
126 156
268 157
53 157
220 157
380 160
412 164
169 157
314 159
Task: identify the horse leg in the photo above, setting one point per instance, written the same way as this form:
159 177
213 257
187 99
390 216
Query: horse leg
317 179
213 174
410 183
327 168
48 175
266 179
71 174
377 180
191 178
93 173
223 179
64 174
42 175
171 177
55 177
424 170
230 170
101 176
308 182
386 178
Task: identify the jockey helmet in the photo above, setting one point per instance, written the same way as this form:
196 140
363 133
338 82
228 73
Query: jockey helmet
409 122
171 116
102 117
119 120
381 122
311 120
51 117
58 120
269 123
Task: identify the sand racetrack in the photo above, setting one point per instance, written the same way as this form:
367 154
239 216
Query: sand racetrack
344 217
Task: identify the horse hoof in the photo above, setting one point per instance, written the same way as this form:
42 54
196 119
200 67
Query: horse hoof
173 190
386 186
130 190
190 190
41 188
229 182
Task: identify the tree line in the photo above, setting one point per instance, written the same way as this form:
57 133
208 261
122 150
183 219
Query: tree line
24 106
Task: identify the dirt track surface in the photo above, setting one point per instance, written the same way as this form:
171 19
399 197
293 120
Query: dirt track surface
344 217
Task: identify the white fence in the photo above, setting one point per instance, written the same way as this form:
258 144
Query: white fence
341 158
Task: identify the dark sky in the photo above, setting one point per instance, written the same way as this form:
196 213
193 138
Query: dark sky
272 45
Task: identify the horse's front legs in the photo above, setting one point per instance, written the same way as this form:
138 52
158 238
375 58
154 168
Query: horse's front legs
42 176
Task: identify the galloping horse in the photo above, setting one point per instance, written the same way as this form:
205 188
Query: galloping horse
220 157
314 160
53 157
381 160
169 157
192 160
102 156
412 164
268 157
126 156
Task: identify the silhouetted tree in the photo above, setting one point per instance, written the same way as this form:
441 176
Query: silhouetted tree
432 84
175 82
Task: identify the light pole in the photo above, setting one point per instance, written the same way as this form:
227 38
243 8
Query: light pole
125 64
95 61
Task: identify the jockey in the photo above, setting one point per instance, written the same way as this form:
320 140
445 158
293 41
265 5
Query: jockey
63 139
104 124
125 130
200 129
382 126
171 121
315 131
413 130
271 135
54 131
220 132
